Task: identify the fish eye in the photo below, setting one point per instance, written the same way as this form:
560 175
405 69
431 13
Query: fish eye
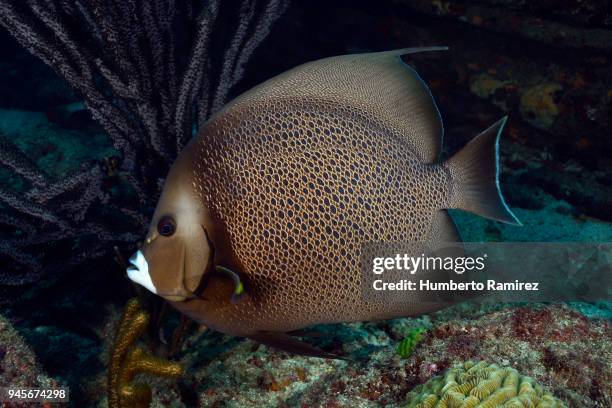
166 226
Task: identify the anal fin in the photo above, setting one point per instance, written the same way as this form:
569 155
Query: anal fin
443 228
306 333
285 342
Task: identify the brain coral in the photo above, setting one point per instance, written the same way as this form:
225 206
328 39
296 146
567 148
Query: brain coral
481 385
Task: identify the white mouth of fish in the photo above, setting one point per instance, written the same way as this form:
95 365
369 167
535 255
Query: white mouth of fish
138 271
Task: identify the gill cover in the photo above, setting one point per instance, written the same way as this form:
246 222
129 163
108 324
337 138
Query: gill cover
189 287
176 253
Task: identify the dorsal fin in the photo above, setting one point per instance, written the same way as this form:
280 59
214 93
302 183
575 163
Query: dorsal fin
380 84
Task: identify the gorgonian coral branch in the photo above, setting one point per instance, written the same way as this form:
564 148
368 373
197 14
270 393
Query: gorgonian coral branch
126 59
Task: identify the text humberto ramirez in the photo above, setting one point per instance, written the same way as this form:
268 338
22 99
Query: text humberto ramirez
459 265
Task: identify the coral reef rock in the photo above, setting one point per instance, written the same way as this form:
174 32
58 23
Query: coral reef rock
19 367
481 385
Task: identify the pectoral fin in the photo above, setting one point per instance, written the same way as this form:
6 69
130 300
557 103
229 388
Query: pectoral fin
306 333
238 285
285 342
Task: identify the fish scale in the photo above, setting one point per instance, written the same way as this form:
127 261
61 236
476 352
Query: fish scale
275 199
352 176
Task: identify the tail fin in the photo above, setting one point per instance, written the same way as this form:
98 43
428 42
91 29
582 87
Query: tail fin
475 177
